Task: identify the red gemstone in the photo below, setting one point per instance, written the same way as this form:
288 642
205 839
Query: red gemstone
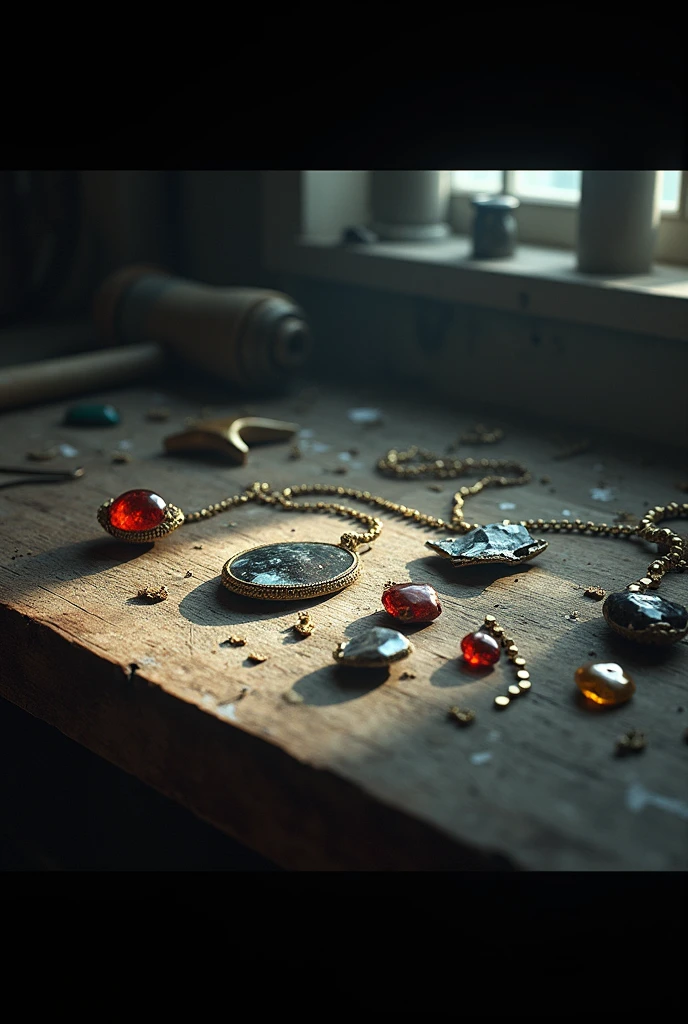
412 602
137 510
480 649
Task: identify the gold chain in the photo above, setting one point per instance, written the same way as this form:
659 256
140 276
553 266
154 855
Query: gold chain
402 465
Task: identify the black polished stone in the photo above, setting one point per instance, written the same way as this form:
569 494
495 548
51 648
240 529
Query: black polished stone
496 542
294 564
642 611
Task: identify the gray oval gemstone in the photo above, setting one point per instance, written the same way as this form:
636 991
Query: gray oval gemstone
374 648
291 564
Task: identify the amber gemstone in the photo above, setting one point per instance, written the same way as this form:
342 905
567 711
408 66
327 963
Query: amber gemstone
137 510
480 649
412 602
604 683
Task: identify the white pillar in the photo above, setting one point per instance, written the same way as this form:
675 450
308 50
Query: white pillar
618 221
410 206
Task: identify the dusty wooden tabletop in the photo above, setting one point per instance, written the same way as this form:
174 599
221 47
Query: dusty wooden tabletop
362 773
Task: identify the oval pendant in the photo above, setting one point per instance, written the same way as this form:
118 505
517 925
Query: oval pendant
645 618
291 571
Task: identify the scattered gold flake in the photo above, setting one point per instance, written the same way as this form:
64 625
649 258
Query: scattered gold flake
158 414
44 455
150 594
463 716
292 697
305 624
121 457
407 675
295 452
235 641
254 656
575 449
632 742
597 593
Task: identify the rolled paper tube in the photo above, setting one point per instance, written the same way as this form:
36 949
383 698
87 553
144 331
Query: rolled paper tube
251 337
52 379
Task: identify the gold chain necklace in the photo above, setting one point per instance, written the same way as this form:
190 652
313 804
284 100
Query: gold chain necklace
294 570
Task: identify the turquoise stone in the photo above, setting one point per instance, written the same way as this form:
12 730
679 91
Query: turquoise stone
91 416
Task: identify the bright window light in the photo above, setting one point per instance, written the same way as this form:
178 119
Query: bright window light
563 186
477 181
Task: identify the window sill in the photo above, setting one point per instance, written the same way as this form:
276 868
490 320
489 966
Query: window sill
538 281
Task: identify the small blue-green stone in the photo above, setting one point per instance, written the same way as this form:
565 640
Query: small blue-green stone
92 416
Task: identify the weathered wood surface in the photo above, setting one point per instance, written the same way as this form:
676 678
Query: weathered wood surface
362 774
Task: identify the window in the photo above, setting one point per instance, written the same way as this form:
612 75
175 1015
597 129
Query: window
549 203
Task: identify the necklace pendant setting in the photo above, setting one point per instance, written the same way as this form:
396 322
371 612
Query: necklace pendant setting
495 542
291 570
139 516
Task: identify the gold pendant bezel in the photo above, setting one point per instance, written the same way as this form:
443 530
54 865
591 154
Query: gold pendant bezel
174 517
279 592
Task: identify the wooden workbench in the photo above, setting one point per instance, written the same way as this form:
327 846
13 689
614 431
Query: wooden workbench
363 773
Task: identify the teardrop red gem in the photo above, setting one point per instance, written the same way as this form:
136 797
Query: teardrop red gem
137 510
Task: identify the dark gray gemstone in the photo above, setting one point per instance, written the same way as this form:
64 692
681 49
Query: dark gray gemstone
496 542
294 564
642 611
375 648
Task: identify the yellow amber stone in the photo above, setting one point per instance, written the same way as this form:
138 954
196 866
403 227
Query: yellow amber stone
604 683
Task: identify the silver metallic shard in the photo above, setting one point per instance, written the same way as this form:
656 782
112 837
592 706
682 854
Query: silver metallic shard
374 648
495 542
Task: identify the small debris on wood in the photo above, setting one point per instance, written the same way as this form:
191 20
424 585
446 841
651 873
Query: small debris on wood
407 675
572 615
632 742
150 594
120 457
462 716
365 417
254 656
597 593
545 480
158 414
625 517
234 641
187 574
68 450
198 547
575 449
44 455
305 624
363 550
353 452
295 452
339 470
292 697
436 487
242 693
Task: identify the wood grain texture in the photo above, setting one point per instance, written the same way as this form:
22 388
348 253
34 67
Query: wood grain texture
364 773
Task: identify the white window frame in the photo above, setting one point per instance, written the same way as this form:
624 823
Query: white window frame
554 222
305 212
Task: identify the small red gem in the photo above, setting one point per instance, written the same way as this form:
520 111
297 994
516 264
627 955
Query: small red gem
137 510
480 649
412 602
